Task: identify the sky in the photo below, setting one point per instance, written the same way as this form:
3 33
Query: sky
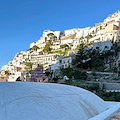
23 21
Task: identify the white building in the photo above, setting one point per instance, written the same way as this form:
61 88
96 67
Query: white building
86 31
92 30
76 42
55 47
56 33
96 38
80 33
55 66
65 62
18 74
5 67
68 39
11 78
102 45
108 36
71 31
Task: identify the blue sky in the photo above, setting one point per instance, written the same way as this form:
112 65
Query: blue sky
23 21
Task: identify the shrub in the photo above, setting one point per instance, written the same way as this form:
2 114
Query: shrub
115 78
46 49
59 52
94 87
84 75
77 74
63 46
69 72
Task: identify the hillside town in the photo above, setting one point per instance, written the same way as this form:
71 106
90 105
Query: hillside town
55 50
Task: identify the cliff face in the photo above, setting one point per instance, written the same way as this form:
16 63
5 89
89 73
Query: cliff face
108 30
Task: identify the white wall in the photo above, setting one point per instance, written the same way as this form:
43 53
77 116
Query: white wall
102 45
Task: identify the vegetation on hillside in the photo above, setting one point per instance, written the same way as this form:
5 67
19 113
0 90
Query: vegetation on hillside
89 59
47 49
59 52
109 96
94 87
88 37
72 73
28 67
63 46
51 36
34 48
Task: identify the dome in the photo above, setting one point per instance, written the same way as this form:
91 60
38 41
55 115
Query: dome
47 101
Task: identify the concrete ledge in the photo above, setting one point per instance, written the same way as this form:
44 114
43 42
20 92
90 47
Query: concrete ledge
101 73
106 115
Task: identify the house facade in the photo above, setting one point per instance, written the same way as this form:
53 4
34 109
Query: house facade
37 75
67 39
102 45
65 62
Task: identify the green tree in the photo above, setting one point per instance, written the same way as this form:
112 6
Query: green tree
97 60
50 42
70 72
89 37
63 46
93 32
28 68
89 59
34 48
50 34
80 56
47 49
77 74
67 71
61 33
47 73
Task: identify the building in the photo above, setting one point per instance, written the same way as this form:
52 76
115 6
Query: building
65 62
56 33
102 45
67 39
114 16
45 60
71 31
118 36
39 43
37 75
55 68
4 78
76 43
110 28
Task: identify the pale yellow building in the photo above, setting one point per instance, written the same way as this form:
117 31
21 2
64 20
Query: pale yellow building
40 43
67 39
110 28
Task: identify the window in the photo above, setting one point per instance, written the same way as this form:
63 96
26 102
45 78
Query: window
106 46
60 61
97 48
